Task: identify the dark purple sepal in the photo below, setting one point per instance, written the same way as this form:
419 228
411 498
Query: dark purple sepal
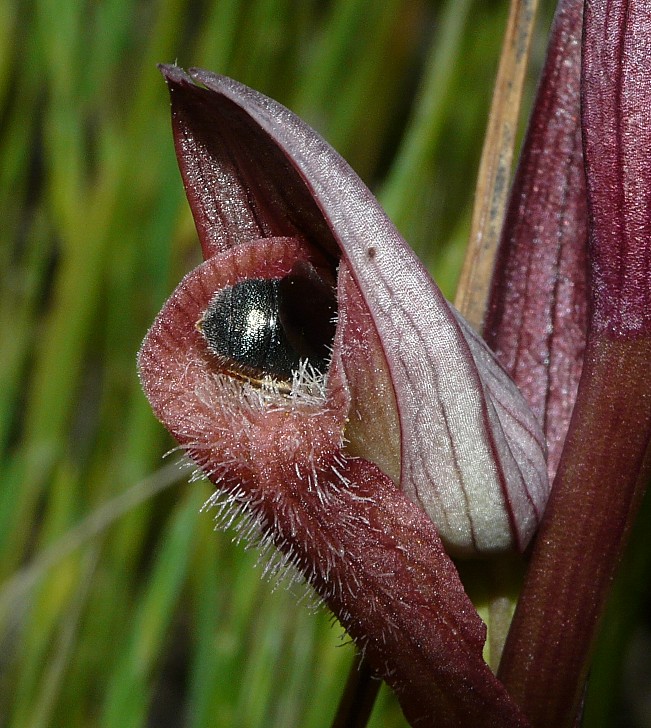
616 99
537 316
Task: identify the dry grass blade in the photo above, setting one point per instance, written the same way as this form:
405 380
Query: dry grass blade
495 166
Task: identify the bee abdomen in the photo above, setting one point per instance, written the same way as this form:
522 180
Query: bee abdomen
245 328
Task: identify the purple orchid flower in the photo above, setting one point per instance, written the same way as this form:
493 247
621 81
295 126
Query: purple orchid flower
426 400
312 369
356 464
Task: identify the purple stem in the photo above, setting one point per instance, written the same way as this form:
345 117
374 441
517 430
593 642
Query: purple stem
579 545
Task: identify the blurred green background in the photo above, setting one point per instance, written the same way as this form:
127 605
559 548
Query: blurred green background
119 604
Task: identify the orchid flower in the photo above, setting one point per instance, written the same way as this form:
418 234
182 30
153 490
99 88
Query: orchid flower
409 387
398 428
311 368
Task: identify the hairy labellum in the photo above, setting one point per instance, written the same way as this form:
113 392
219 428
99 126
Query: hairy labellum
280 458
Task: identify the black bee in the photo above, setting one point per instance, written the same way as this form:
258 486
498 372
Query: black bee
266 327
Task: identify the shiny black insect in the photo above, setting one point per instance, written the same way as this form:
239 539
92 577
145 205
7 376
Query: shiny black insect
264 327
